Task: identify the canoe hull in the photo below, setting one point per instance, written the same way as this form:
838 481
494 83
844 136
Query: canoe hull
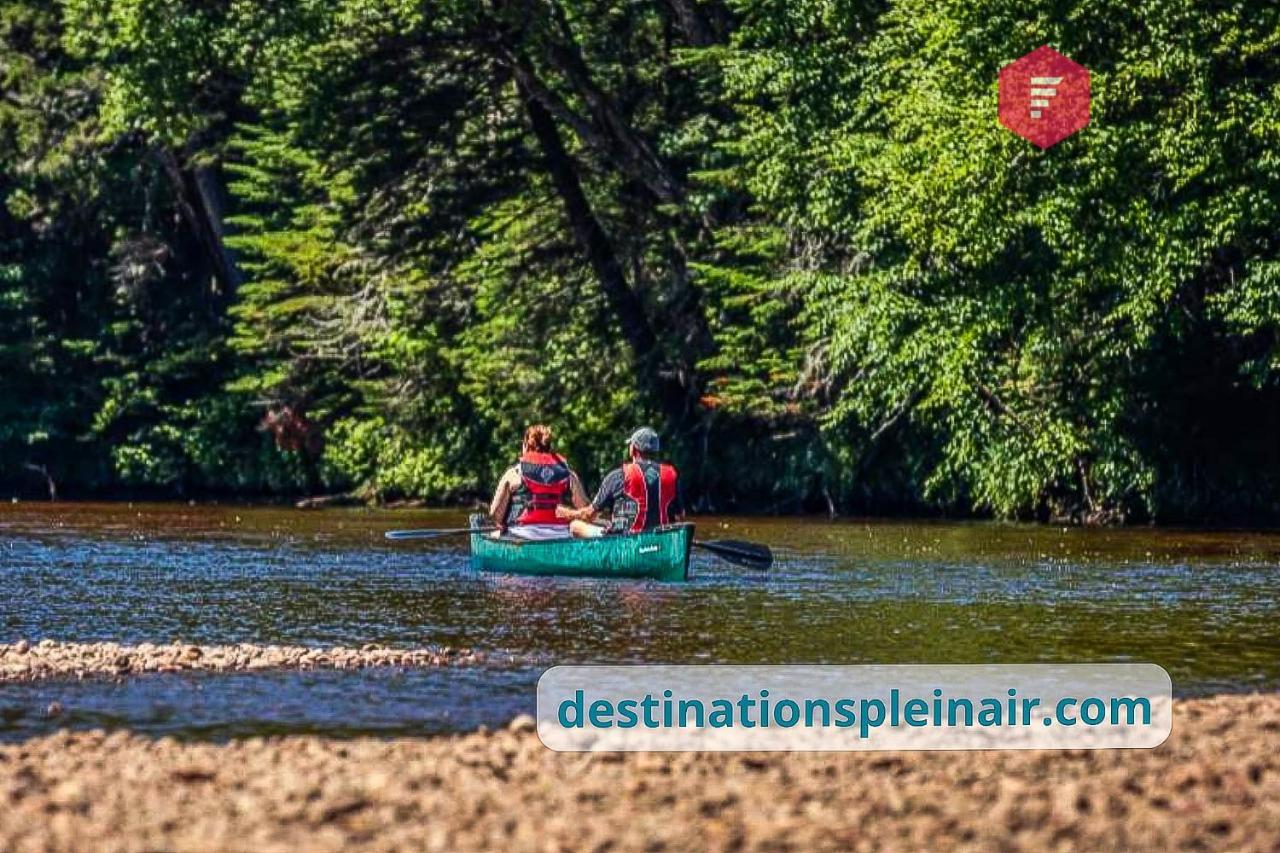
660 555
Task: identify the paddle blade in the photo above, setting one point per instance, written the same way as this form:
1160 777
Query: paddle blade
750 555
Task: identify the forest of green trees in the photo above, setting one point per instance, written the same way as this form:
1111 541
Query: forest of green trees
267 248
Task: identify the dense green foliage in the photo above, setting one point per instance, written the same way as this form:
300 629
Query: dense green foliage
302 247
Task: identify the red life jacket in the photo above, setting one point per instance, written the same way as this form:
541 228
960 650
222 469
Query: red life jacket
544 485
652 495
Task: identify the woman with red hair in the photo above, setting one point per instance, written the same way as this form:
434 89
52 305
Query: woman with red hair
530 491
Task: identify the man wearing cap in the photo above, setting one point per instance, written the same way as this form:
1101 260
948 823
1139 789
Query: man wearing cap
641 495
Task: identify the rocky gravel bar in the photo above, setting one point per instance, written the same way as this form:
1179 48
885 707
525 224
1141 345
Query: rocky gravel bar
48 659
1214 785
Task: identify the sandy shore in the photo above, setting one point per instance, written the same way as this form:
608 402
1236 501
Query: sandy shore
24 661
1214 785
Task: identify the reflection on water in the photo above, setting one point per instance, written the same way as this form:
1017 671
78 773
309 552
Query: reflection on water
1202 604
379 702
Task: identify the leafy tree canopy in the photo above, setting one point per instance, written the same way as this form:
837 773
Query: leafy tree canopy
357 246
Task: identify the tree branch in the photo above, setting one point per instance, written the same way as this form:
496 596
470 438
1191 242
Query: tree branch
632 151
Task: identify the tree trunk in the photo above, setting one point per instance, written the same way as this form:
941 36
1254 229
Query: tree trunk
48 479
209 189
199 201
590 235
693 24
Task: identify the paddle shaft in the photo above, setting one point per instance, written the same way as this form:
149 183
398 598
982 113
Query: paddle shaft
435 534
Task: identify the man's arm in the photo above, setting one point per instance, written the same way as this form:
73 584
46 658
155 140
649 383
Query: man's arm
609 491
586 513
582 509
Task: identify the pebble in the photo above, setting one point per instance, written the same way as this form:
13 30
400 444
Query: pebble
523 723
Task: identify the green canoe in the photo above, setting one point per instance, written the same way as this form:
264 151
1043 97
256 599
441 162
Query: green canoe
661 554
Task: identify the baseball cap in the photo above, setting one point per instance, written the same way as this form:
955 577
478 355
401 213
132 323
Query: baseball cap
645 440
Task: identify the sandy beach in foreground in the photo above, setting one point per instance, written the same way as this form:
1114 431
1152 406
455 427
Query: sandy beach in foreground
1215 784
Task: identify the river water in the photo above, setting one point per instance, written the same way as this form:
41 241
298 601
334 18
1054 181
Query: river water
1203 604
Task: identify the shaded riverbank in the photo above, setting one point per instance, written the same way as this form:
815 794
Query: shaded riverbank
1215 784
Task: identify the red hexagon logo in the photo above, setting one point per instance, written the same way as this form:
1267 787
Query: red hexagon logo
1044 97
